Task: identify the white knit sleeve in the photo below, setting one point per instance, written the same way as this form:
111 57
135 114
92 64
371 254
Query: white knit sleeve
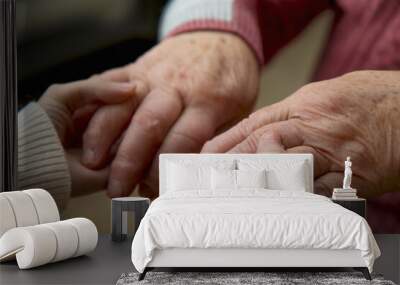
181 12
41 159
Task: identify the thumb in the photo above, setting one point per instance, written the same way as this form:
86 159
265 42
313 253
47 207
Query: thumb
83 180
237 134
92 91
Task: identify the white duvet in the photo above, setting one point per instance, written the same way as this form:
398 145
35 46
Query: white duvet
250 219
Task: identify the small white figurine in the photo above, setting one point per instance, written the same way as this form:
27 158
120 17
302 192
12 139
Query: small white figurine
347 174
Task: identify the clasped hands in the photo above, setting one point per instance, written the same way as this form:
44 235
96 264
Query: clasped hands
187 91
173 99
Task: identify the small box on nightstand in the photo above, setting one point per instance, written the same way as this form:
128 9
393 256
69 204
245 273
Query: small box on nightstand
357 205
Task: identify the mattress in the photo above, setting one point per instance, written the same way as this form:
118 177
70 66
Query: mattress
253 219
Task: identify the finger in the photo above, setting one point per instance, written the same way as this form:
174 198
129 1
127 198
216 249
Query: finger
193 128
80 121
273 138
120 74
129 73
104 128
115 146
91 91
322 165
280 136
149 125
83 180
240 132
69 129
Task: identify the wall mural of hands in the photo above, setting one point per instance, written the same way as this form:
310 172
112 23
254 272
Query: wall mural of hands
353 115
188 88
70 107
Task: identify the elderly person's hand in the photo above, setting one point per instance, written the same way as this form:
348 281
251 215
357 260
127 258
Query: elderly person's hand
355 115
70 107
189 87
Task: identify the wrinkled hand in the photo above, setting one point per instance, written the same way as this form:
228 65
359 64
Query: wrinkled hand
189 87
69 107
355 115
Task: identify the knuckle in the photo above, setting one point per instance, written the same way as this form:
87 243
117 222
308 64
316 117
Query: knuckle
92 135
349 75
251 143
244 127
136 71
150 123
271 134
173 91
208 146
190 139
54 88
95 76
123 165
356 74
307 88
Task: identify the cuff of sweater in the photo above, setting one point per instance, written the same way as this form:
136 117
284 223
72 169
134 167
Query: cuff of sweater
236 17
41 158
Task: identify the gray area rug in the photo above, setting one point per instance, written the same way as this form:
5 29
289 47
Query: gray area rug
232 278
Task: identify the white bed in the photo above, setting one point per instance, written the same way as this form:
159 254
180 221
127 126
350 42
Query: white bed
193 224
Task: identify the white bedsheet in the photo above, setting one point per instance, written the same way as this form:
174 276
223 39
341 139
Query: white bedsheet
250 218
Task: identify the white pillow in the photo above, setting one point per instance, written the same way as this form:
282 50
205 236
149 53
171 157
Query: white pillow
223 179
189 174
181 178
251 178
235 179
289 175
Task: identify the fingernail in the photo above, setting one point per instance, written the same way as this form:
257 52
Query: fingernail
115 188
127 86
89 157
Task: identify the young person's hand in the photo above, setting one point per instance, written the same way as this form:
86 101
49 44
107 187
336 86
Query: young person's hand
190 87
70 107
355 115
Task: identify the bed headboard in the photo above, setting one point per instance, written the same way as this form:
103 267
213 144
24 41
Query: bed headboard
164 158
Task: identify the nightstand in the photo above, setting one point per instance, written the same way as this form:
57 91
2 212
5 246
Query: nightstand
357 205
120 207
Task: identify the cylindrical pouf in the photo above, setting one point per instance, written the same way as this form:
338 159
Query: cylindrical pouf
87 235
45 205
37 245
33 246
23 208
67 240
7 218
26 208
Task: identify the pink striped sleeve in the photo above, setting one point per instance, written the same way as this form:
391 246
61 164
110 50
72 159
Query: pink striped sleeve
266 25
